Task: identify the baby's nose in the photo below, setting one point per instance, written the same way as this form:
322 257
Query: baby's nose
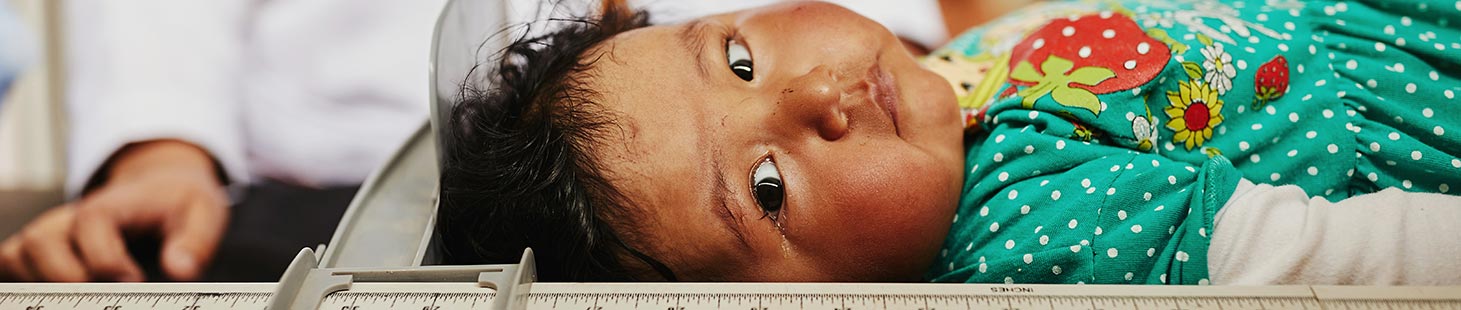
815 100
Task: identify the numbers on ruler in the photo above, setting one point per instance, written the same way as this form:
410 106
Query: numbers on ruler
184 307
350 308
759 308
675 308
431 308
35 308
112 308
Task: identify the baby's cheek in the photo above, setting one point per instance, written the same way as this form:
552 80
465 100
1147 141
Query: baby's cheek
902 222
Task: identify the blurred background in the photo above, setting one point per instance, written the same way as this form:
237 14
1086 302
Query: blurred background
31 153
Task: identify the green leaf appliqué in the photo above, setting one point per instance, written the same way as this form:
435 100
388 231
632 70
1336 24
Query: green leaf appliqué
1057 83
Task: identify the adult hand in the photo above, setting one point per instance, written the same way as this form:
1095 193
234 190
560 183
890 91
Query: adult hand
166 189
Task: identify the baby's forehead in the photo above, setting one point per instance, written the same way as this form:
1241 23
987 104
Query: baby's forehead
645 70
619 61
648 86
640 39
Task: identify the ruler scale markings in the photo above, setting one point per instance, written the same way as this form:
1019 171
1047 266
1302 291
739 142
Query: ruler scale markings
1264 306
1095 302
1216 302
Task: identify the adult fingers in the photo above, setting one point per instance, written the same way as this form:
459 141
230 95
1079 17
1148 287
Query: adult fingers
47 246
191 238
103 248
12 262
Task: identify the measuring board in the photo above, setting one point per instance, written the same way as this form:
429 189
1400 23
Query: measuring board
305 285
741 296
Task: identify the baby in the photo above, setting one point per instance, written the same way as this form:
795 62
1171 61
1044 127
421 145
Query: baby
1095 143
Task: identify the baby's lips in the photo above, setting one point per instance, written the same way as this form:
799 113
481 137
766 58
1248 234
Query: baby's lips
1106 40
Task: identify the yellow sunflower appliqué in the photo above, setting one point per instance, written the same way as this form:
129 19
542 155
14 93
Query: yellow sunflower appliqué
1195 110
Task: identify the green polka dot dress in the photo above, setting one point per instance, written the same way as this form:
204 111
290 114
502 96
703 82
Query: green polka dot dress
1105 135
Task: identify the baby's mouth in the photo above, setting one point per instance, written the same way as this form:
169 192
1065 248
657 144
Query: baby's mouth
884 92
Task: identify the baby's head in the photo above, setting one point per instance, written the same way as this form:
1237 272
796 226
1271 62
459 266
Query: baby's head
795 142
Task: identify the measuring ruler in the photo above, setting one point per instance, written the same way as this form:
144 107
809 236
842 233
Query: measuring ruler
740 296
307 286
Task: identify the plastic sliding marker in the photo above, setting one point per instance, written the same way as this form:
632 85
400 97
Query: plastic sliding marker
304 286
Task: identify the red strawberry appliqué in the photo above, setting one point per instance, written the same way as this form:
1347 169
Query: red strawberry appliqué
1272 81
1083 56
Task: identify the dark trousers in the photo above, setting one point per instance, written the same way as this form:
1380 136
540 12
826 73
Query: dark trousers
265 230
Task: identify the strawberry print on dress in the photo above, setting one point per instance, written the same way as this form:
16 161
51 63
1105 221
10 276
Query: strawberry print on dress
1084 56
1272 81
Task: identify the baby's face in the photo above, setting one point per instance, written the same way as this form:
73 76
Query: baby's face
796 142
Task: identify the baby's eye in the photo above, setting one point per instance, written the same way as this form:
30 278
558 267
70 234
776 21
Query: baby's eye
766 186
739 59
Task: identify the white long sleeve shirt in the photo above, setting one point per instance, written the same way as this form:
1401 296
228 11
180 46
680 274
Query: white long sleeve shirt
1270 235
310 92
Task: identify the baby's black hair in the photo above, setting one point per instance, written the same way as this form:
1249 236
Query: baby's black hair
520 169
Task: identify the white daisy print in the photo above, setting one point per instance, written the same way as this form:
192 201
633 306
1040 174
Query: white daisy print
1219 67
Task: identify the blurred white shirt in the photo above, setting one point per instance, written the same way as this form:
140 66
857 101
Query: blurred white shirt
311 92
315 93
16 47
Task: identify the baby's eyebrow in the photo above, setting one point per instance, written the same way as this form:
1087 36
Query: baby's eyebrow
693 40
719 190
721 195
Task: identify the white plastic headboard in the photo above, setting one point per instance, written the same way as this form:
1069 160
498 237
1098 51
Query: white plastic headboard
390 221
